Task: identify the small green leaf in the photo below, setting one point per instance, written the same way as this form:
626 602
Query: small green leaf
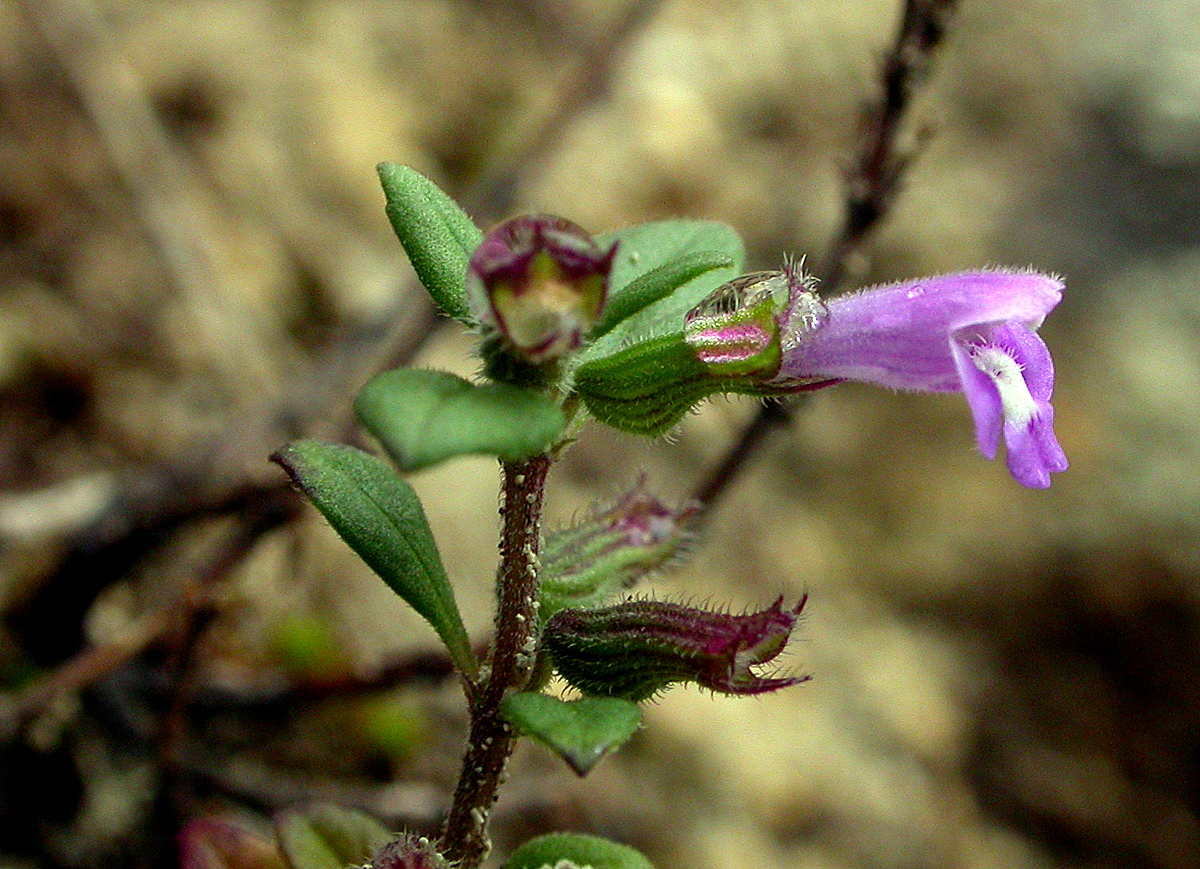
380 517
580 731
424 417
578 850
658 283
438 236
328 837
650 246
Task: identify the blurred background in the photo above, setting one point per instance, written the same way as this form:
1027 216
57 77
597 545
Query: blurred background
195 267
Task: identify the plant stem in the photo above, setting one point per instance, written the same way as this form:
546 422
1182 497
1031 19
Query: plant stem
464 839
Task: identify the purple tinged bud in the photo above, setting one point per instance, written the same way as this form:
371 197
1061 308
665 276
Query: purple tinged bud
734 330
408 852
636 649
212 843
542 282
613 548
973 332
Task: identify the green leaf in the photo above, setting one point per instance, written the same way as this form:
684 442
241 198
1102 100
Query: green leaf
658 283
578 850
580 731
438 236
328 837
424 417
380 517
650 246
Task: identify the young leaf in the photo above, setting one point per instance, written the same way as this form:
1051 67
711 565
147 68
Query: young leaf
580 731
328 837
650 246
577 850
437 235
658 283
423 417
380 517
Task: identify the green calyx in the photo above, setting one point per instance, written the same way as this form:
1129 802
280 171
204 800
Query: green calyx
636 649
647 388
611 549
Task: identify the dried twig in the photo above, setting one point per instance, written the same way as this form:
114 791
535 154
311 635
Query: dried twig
167 196
874 179
871 188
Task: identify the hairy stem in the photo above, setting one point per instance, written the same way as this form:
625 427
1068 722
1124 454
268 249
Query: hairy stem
464 838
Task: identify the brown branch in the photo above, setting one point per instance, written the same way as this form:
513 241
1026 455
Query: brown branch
89 666
495 194
871 189
874 179
169 200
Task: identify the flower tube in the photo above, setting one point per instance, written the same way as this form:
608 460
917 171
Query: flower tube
973 332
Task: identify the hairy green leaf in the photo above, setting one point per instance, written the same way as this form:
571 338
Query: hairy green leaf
578 851
424 417
580 731
380 517
438 236
656 284
648 247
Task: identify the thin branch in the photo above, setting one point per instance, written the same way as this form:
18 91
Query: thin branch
589 83
871 188
771 416
87 667
167 196
875 177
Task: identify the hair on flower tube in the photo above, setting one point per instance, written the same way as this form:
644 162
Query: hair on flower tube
973 332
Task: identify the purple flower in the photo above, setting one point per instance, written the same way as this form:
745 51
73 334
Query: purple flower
973 332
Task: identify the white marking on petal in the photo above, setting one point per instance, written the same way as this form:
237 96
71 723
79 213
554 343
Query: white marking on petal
1016 401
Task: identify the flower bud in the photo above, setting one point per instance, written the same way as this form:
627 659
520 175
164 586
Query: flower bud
636 649
408 852
541 281
731 343
213 843
612 549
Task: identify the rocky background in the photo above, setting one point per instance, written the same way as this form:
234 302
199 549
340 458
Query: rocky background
195 267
